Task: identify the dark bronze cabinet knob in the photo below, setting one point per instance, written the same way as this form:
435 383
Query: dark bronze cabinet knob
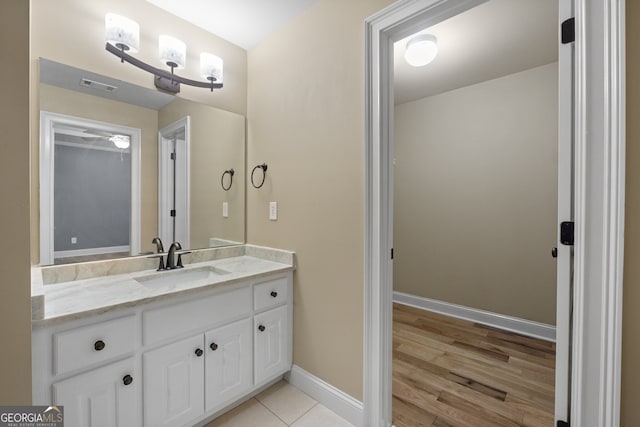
274 294
127 379
213 346
199 352
261 328
99 345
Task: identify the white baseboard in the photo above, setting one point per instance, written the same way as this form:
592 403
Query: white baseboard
513 324
336 400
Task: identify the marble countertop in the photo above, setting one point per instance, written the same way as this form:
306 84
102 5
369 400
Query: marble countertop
95 295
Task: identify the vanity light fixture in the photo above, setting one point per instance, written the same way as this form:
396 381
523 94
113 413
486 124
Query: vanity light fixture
421 50
123 38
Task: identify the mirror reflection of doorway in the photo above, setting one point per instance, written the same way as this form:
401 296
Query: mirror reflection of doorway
475 220
173 201
87 160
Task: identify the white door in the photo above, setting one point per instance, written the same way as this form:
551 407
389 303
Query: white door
565 214
270 337
174 383
103 397
228 370
173 183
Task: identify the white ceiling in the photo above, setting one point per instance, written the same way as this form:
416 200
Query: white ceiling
241 22
495 39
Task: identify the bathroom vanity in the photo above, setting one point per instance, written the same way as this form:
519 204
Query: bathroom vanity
119 344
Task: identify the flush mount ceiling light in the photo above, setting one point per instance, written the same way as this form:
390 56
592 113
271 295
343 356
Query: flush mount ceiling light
120 141
123 35
421 50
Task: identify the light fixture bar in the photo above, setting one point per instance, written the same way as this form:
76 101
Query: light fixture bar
163 79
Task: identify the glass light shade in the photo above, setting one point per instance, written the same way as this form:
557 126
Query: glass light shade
122 32
120 141
172 51
421 50
211 67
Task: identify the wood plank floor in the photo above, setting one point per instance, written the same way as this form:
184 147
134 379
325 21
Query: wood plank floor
450 372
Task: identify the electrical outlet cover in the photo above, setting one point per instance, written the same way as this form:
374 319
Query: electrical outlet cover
273 211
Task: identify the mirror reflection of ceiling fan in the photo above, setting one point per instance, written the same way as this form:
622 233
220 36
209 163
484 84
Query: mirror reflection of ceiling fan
95 135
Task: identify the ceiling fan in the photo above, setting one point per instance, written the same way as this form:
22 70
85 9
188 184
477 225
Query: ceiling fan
91 135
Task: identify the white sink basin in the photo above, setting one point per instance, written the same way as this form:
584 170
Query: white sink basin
176 277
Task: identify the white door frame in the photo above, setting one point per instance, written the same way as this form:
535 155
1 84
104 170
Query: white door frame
599 159
565 203
48 121
165 183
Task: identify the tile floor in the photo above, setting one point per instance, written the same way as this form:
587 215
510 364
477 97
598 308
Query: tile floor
279 406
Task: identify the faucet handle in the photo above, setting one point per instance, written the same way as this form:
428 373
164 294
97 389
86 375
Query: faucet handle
161 263
179 264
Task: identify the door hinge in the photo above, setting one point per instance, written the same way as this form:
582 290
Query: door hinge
391 253
562 424
567 233
173 156
173 212
568 31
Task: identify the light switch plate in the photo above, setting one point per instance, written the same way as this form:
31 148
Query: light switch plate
273 211
225 209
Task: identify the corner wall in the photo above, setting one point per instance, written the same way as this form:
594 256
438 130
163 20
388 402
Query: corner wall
15 289
475 195
306 121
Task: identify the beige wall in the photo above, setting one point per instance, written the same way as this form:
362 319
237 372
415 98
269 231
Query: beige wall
630 410
63 101
217 144
475 195
306 121
15 305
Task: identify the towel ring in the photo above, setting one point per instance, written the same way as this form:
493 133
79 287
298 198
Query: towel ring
230 172
264 174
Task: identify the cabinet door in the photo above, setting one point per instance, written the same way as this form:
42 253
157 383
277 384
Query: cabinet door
174 383
271 337
228 363
103 397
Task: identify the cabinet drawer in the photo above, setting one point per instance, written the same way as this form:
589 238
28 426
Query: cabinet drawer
87 345
178 319
270 294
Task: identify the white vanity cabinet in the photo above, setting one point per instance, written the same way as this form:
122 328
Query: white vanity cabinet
174 383
272 348
177 361
228 363
90 370
199 374
272 338
103 397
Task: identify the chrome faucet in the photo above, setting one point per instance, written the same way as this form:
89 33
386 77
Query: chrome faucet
171 255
